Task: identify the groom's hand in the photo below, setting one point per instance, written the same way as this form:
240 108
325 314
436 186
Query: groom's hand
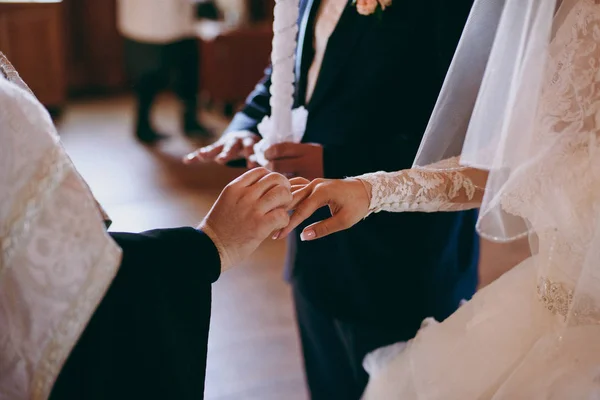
248 211
231 146
296 159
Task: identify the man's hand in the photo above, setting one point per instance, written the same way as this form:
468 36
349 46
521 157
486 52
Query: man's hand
348 201
232 146
296 159
248 210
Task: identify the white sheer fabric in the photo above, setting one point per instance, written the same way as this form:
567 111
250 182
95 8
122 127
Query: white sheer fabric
447 129
489 97
533 333
447 187
56 260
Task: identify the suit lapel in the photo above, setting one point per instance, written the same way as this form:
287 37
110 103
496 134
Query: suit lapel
350 28
304 48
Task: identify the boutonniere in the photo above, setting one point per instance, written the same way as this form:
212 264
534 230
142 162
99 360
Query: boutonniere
368 7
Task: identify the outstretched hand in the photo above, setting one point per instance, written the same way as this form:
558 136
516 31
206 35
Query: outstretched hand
232 146
348 201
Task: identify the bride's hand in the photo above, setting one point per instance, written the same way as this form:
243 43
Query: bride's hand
348 201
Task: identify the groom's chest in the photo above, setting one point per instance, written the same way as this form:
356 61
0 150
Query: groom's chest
340 49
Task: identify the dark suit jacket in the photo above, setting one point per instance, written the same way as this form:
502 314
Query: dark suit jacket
148 337
377 87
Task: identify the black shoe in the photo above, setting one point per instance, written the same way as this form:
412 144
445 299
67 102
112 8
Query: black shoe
193 128
149 136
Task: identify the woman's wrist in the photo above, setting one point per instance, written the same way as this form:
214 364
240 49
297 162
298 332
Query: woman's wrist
369 182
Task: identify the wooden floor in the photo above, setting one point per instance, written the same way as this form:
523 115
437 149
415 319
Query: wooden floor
253 349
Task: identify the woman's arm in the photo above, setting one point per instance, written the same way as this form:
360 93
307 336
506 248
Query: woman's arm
444 186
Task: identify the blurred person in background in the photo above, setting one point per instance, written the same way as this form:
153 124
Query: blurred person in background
160 49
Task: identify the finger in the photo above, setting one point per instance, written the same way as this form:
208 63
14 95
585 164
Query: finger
231 150
283 150
275 235
298 184
326 227
296 188
248 146
268 182
251 177
276 197
304 210
283 165
278 219
251 162
299 181
299 195
207 153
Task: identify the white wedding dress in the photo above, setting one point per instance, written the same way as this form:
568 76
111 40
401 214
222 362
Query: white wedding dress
530 334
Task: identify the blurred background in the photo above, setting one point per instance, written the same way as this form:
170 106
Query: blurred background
77 60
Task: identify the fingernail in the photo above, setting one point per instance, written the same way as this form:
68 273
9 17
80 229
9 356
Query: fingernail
307 235
276 235
190 156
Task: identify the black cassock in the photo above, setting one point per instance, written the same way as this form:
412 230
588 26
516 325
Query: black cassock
148 337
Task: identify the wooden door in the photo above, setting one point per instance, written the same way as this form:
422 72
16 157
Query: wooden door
32 37
95 46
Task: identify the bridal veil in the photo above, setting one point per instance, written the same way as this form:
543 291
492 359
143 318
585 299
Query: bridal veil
497 113
521 100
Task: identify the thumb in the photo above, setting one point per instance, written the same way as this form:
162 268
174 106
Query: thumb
319 230
283 150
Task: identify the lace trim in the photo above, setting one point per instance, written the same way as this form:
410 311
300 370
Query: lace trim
76 319
41 186
562 301
11 74
48 177
555 297
421 190
39 366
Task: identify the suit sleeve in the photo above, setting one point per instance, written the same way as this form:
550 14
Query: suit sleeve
148 337
256 108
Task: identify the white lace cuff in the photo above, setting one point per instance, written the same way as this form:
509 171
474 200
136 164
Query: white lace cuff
421 190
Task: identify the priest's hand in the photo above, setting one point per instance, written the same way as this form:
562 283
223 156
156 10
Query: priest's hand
248 211
348 201
296 159
231 146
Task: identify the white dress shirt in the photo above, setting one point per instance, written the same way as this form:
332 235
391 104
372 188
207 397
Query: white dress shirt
156 21
327 18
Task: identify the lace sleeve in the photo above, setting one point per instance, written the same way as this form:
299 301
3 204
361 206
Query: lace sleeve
445 186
